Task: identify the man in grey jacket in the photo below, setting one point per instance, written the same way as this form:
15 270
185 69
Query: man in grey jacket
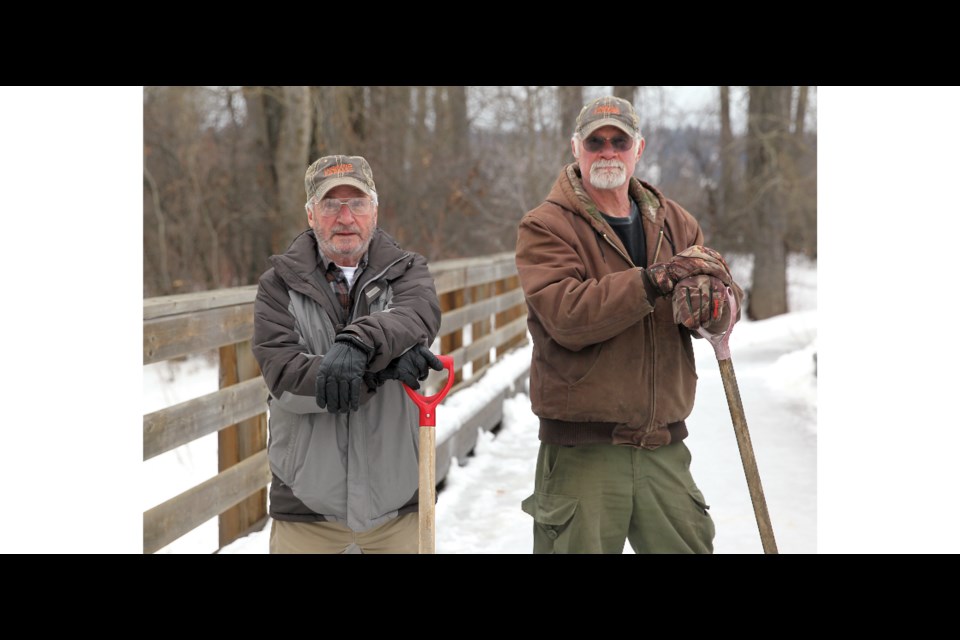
340 320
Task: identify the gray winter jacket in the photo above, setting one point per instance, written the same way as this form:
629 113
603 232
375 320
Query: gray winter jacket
358 468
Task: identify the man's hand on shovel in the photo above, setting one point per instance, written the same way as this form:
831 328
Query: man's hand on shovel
701 302
698 304
411 367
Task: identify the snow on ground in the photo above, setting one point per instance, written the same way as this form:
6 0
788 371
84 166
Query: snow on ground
170 474
478 510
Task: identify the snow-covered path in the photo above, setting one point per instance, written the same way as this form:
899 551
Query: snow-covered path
479 509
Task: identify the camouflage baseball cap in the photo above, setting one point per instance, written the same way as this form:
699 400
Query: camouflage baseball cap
608 110
332 171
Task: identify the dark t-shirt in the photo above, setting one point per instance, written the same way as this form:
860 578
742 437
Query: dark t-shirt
630 232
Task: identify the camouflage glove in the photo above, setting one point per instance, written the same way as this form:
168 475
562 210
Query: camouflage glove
411 367
700 301
696 260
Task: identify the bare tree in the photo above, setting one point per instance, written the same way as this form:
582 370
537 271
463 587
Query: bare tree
627 93
802 183
768 129
456 168
727 156
570 101
801 112
279 127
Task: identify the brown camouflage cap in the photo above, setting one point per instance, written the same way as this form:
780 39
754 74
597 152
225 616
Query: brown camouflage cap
332 171
608 110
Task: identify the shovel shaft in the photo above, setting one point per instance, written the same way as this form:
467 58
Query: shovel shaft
746 455
428 484
427 488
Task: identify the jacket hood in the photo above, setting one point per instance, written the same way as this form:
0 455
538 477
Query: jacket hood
569 192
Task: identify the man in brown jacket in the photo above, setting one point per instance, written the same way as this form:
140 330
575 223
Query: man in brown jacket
615 279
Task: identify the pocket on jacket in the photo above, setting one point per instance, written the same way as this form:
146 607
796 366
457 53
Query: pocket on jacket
383 298
593 358
288 432
390 443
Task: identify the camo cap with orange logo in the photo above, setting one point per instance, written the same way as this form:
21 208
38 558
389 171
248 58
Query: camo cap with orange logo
608 110
332 171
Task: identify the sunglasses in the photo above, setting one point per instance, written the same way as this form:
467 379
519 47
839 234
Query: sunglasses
598 143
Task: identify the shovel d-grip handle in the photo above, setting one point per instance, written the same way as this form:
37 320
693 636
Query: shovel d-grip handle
428 404
721 341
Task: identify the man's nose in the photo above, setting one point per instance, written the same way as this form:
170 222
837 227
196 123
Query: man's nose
608 152
345 212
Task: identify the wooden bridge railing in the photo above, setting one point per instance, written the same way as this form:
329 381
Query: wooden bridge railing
483 309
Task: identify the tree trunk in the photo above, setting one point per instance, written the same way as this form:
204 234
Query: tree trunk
397 113
291 107
727 159
256 148
441 115
351 103
802 185
459 124
768 129
627 93
571 102
801 114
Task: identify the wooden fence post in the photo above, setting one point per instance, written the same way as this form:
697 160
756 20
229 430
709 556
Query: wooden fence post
449 342
481 328
238 442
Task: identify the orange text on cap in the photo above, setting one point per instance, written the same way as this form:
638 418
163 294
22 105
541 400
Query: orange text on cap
606 109
340 168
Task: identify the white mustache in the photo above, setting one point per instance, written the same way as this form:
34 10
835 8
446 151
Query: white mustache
607 164
342 229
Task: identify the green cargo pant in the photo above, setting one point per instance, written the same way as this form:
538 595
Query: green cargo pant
591 498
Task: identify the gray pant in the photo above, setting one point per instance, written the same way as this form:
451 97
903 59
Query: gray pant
591 498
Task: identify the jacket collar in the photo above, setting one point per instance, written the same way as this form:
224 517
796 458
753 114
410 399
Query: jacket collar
302 266
569 188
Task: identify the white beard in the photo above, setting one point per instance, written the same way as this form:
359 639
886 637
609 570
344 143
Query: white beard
608 179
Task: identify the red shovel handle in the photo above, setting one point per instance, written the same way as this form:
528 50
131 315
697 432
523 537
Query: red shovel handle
720 341
428 404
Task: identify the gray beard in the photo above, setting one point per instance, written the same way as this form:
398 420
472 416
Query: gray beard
605 180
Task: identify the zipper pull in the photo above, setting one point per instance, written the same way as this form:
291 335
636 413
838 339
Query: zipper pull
656 254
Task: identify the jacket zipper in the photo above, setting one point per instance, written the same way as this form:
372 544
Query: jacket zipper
617 249
656 254
653 346
356 302
361 433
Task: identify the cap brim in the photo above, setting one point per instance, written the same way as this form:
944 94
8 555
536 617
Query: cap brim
337 182
604 122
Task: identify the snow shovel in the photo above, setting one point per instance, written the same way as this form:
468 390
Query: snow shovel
722 349
428 462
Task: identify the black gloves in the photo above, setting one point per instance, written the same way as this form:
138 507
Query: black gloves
411 367
340 375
